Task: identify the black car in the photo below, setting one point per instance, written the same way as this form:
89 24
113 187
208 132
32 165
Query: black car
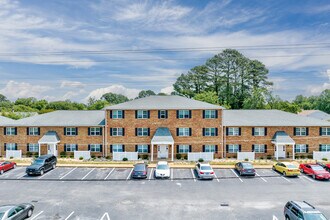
17 212
245 168
41 165
140 171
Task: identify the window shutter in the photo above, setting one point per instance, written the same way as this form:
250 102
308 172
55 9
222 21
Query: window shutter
4 131
189 148
15 146
307 148
252 131
38 131
294 131
203 113
177 131
239 131
203 148
123 147
76 131
76 147
148 131
136 148
136 113
216 131
265 131
320 147
190 116
148 113
27 131
149 148
307 131
320 131
190 132
295 148
110 131
216 113
64 131
166 114
136 131
177 113
265 148
158 114
216 148
110 148
101 131
252 147
65 147
89 147
27 147
15 130
110 113
227 148
101 148
203 131
89 131
177 148
123 131
239 148
227 131
123 113
5 147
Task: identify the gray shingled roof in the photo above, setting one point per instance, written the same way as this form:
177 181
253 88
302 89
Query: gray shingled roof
64 118
164 102
268 118
162 135
280 137
49 137
5 120
316 114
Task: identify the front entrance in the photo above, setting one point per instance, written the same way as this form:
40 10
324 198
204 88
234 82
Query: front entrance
162 152
281 151
52 149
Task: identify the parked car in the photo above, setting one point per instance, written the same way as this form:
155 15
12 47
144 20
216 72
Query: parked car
325 166
286 168
245 168
294 210
315 171
204 171
41 165
6 165
162 170
140 171
16 212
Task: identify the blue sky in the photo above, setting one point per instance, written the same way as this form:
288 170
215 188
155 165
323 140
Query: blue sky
39 41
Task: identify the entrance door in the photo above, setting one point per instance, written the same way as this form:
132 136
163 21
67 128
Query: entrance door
163 151
281 151
52 149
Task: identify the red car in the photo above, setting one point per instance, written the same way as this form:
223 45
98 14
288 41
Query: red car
315 170
6 165
325 166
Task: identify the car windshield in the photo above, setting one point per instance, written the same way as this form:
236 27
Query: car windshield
247 165
206 168
162 167
317 168
314 216
291 166
1 214
139 168
38 162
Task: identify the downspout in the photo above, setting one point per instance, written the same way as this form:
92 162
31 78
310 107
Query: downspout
105 143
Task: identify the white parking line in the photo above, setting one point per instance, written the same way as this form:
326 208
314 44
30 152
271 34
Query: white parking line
261 177
34 217
286 179
151 173
192 172
281 176
109 173
215 175
68 173
87 174
69 216
105 216
46 174
307 178
129 175
172 174
236 175
21 175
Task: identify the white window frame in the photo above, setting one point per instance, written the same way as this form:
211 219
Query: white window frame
209 148
95 131
71 131
33 131
10 146
184 114
162 114
70 147
325 131
210 114
117 132
326 147
142 114
259 131
117 148
233 131
95 147
210 132
117 114
259 148
302 148
142 148
233 148
183 148
10 131
34 148
300 131
184 132
142 132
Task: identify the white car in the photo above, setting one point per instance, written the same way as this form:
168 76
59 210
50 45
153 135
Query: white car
162 170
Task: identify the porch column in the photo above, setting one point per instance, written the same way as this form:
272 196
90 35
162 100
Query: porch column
172 145
39 149
293 157
276 151
152 152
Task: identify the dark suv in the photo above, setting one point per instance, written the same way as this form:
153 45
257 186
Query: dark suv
41 165
294 210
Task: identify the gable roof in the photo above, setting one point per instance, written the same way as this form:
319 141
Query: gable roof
268 118
64 118
162 136
164 102
49 137
5 120
280 137
315 114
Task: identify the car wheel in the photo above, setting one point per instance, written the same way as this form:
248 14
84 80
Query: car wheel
273 168
1 172
287 218
14 166
284 173
240 173
41 172
54 166
313 176
301 170
30 212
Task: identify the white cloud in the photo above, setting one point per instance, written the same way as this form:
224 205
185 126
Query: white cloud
71 94
23 90
277 82
317 89
73 84
167 90
118 89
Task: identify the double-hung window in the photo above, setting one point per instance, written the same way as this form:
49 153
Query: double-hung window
117 114
259 148
183 114
162 114
233 148
142 148
117 148
70 147
183 132
259 131
10 131
142 132
33 131
33 147
300 131
142 114
11 146
210 114
95 147
233 131
325 147
95 131
325 131
71 131
183 148
300 148
210 132
117 131
209 148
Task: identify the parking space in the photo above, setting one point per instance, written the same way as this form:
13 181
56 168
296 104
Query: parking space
183 174
121 174
59 213
14 173
99 174
227 174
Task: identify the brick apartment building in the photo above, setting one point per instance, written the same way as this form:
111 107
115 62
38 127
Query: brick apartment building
164 126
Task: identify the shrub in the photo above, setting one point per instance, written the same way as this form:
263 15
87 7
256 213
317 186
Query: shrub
310 156
145 156
246 159
185 157
28 154
81 158
178 156
125 159
93 156
269 157
63 154
99 157
11 157
71 156
302 156
200 160
325 159
108 157
261 158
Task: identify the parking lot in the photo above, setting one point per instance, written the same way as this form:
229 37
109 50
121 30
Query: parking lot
110 193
